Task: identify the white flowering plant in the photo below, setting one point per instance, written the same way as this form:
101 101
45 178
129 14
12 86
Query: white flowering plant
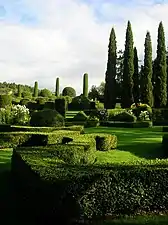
20 115
144 115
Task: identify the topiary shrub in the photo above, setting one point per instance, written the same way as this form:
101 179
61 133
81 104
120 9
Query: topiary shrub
139 108
123 117
41 100
61 106
45 93
79 103
92 121
48 118
106 142
5 100
81 116
69 91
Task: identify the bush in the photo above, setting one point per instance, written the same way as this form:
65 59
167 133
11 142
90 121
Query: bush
19 115
106 142
61 106
24 101
47 117
142 124
79 103
5 100
95 192
41 100
92 121
49 105
123 117
81 116
27 94
5 115
45 93
137 110
69 91
165 144
14 139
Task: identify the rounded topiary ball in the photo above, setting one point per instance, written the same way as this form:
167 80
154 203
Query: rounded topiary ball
47 118
69 91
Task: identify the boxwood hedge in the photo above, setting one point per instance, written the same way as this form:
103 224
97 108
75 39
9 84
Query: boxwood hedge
91 192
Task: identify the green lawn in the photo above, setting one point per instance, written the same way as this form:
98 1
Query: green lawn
140 220
135 145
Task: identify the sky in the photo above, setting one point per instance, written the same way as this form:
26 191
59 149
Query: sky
41 40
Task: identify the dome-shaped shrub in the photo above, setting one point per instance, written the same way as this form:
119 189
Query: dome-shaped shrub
47 118
69 91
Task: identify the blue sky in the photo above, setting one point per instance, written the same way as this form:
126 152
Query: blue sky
41 40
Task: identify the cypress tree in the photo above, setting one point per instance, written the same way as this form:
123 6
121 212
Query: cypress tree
127 87
147 88
110 79
136 80
85 85
57 87
35 94
160 98
19 91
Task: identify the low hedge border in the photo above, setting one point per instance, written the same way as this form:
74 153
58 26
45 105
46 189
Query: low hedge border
10 128
142 124
13 139
90 192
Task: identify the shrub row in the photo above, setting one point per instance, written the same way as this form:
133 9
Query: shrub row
142 124
160 116
10 128
13 139
89 192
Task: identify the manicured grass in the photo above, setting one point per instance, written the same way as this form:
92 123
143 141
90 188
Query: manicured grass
140 220
135 145
5 160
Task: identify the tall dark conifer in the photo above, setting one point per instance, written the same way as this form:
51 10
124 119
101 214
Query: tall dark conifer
147 88
160 97
136 80
57 87
127 87
110 79
35 93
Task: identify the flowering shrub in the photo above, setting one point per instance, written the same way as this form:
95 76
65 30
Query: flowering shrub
19 115
141 111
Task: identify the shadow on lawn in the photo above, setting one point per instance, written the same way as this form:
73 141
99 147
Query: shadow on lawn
144 150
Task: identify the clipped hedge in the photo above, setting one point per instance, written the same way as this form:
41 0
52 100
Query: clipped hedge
122 117
80 116
11 128
165 144
143 124
47 117
88 192
61 106
13 139
104 142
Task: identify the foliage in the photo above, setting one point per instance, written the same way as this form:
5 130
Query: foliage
110 85
128 71
57 87
41 100
136 78
19 94
5 100
24 101
123 117
79 103
85 85
146 78
35 93
27 94
160 76
61 106
69 91
139 109
19 115
81 116
106 142
160 116
46 117
45 93
92 121
5 115
139 124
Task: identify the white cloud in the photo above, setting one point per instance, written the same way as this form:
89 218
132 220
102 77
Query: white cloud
69 40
